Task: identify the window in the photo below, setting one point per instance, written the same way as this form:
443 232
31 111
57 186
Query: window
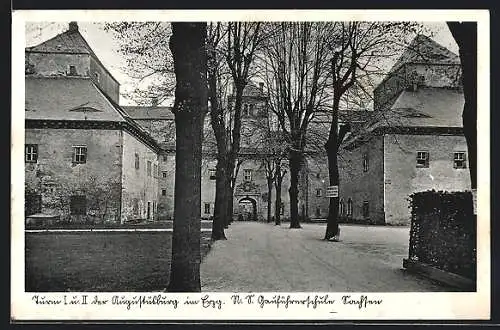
165 158
422 159
72 70
349 207
318 212
31 153
164 174
365 162
318 175
211 173
245 110
148 168
319 192
366 209
282 209
459 160
247 175
136 161
155 170
250 109
164 192
79 154
207 208
78 205
96 76
341 207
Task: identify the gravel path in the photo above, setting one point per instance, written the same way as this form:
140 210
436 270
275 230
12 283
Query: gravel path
260 257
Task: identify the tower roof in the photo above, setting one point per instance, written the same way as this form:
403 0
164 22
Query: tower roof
424 50
68 42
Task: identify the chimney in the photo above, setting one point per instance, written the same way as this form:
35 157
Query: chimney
73 27
261 87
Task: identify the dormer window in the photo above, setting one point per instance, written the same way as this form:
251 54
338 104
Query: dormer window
72 71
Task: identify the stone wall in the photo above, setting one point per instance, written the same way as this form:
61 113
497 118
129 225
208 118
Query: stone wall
402 177
56 177
362 186
108 84
140 189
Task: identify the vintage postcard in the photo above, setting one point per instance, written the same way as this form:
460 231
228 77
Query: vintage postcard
304 165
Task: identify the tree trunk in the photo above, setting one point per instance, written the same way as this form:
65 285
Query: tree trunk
465 34
220 207
269 196
277 206
190 62
332 225
230 203
295 164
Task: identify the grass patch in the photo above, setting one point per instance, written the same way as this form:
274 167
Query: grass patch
99 261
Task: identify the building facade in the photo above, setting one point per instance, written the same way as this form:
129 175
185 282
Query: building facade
413 143
85 159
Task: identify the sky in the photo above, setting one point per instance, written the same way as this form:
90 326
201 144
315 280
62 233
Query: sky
105 46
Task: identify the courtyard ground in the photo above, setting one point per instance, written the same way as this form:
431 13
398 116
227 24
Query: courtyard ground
99 261
263 257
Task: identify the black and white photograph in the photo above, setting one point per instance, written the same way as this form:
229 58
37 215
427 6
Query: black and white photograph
251 162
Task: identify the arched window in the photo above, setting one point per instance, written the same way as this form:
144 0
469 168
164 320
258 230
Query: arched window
341 207
349 207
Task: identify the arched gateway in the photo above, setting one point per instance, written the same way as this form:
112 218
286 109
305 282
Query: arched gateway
247 209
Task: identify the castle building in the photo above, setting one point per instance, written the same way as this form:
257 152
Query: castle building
414 142
89 159
85 158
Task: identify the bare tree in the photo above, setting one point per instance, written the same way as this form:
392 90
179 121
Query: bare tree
232 51
358 49
296 69
189 52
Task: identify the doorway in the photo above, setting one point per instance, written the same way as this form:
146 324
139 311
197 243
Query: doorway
247 209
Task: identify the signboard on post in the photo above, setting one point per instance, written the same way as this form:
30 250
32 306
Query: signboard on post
332 191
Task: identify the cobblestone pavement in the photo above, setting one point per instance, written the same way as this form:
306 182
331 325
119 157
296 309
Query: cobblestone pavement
260 257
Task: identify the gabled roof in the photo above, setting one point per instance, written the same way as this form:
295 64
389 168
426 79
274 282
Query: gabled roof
69 42
67 98
151 113
72 99
425 108
424 50
252 90
346 116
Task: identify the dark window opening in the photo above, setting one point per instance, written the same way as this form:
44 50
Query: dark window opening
79 155
319 192
78 205
349 207
164 174
136 161
31 153
459 160
212 174
148 168
72 70
422 159
207 208
164 192
365 163
366 209
318 212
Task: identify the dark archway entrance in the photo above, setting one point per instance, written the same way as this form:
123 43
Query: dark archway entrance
247 209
